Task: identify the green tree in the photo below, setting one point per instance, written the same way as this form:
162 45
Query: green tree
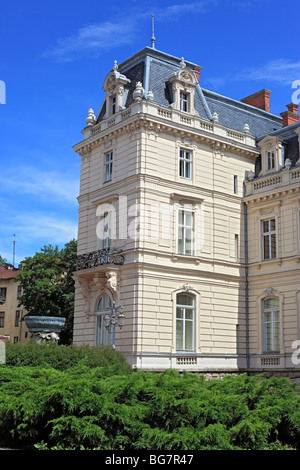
48 286
2 261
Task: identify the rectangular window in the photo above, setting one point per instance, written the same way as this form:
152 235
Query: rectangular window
2 294
19 292
113 110
108 166
270 156
235 184
106 231
184 322
268 239
236 248
185 232
184 102
271 325
2 315
185 164
17 318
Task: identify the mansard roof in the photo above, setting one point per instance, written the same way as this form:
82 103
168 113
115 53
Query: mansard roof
154 68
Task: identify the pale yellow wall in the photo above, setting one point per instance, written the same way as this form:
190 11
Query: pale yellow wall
146 159
10 307
279 277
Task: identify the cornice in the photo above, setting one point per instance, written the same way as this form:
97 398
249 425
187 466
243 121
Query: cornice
136 122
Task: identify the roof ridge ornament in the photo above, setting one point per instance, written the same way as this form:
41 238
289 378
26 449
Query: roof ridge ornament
182 63
153 38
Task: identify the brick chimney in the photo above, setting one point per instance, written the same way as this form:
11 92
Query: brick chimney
291 116
260 100
197 72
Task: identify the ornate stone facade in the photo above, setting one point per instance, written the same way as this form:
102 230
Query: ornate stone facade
174 217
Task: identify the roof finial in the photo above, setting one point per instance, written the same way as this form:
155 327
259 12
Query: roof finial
153 38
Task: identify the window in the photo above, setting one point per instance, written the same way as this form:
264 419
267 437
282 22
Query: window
2 315
185 164
235 184
184 102
185 322
19 292
270 160
113 105
108 166
271 324
269 239
106 231
2 294
103 336
185 232
236 248
17 318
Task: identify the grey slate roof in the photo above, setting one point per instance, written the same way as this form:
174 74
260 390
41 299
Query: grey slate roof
154 68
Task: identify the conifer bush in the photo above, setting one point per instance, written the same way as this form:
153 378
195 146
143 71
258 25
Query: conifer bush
83 407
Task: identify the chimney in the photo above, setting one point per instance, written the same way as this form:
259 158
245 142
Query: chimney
260 100
197 72
291 116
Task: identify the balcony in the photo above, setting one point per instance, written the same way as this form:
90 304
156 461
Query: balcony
99 258
274 181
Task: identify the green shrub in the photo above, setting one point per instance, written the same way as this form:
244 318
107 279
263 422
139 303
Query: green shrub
81 407
62 357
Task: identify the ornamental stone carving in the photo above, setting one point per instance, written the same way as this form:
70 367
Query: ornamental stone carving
139 91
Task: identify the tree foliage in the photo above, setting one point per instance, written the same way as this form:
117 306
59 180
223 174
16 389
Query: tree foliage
84 407
2 261
48 286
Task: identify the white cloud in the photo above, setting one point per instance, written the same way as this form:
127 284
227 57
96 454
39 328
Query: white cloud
280 71
94 38
47 185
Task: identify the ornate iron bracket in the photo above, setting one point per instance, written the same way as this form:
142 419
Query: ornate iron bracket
98 258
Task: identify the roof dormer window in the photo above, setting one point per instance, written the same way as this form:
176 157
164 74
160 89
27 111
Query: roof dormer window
115 88
271 154
184 102
113 105
183 88
270 163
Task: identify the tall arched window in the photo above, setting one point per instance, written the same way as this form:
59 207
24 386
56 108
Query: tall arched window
271 324
185 320
103 336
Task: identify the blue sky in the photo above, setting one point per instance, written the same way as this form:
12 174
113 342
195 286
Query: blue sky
53 61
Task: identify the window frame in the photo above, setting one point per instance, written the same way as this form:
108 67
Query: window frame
184 101
108 166
103 336
3 294
106 236
183 227
275 324
184 322
270 160
269 235
17 318
185 164
2 319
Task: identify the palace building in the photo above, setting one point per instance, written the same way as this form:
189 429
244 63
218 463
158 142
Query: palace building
189 217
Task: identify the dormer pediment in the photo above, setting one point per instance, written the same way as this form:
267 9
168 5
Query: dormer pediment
271 154
114 79
183 87
114 87
186 78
